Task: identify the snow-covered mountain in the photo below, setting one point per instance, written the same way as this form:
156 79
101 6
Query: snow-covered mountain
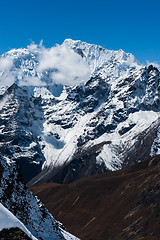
76 109
106 63
20 208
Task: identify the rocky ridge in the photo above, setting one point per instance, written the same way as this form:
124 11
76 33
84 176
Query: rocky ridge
50 129
28 209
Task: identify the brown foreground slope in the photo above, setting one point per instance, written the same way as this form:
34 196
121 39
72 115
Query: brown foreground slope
116 205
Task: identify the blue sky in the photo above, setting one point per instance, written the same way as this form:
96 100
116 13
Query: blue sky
133 26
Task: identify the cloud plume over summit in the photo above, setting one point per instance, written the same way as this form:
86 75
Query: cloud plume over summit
32 66
67 67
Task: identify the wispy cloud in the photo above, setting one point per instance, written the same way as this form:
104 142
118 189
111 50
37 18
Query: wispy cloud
33 46
6 76
62 64
31 81
5 63
67 66
155 64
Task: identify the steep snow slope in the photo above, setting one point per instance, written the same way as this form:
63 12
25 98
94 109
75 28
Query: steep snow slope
58 127
125 115
28 209
8 220
106 63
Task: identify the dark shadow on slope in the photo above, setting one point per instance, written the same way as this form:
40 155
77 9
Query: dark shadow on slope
17 117
13 234
83 164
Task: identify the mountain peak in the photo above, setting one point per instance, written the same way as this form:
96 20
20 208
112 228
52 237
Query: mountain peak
106 63
69 117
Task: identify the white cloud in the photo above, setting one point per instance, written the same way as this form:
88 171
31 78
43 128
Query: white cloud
67 66
7 80
5 63
33 46
61 63
6 77
31 81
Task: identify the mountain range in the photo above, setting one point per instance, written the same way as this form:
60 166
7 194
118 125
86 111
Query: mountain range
51 128
69 112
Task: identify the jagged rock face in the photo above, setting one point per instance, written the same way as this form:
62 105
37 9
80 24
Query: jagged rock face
127 116
54 127
107 63
17 140
17 198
